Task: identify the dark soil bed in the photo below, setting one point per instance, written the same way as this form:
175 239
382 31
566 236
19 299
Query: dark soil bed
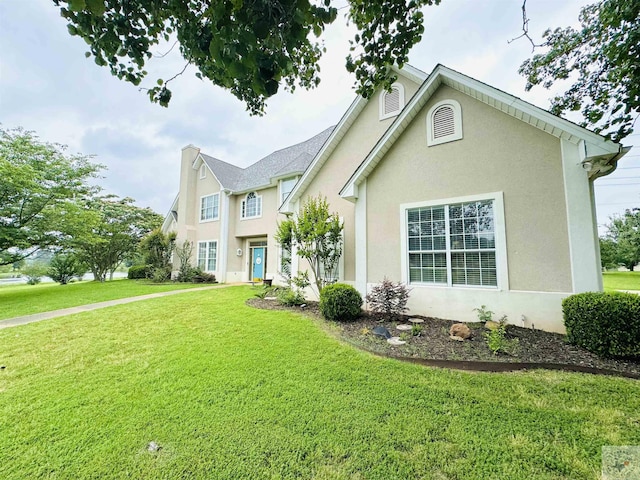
535 349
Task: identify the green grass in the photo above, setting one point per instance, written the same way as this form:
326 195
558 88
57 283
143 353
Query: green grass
621 280
27 299
230 392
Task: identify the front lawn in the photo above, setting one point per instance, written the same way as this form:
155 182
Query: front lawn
232 392
27 299
621 280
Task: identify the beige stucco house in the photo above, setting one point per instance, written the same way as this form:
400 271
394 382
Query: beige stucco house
469 195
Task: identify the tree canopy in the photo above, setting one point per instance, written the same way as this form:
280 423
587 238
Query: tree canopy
113 228
40 190
622 244
601 60
251 47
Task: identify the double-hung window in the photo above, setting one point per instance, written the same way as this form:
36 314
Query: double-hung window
286 186
252 206
452 244
208 255
210 207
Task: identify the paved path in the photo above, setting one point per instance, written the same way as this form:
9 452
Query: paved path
36 317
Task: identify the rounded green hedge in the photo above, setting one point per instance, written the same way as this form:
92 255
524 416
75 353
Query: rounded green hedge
340 302
605 323
136 272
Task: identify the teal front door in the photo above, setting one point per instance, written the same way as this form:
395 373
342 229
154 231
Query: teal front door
258 264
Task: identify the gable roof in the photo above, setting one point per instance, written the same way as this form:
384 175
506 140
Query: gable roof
288 161
336 136
599 150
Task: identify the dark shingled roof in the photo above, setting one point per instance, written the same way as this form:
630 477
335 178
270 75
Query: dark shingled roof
288 161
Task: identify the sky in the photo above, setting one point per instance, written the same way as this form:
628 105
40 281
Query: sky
49 87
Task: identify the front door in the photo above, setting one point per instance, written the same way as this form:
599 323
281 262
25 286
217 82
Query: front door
257 263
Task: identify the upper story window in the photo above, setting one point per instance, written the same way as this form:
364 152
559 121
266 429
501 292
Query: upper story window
203 171
252 206
391 103
444 122
286 186
210 207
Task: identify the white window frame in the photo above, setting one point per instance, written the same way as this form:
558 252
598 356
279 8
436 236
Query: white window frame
457 123
207 258
243 207
384 114
502 277
281 192
203 171
215 217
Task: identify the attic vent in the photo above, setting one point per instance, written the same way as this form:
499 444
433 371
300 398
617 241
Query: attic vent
391 103
444 122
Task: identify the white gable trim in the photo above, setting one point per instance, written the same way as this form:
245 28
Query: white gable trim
336 136
200 161
594 144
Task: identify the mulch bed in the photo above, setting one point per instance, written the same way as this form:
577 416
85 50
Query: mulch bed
536 349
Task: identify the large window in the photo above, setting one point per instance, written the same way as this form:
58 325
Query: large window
452 244
252 206
208 255
286 186
209 207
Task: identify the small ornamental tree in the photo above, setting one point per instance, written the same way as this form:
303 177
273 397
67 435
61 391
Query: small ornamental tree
316 235
64 267
389 298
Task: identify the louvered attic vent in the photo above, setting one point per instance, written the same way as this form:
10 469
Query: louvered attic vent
443 122
391 103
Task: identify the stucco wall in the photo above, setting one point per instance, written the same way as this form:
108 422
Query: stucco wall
350 152
497 153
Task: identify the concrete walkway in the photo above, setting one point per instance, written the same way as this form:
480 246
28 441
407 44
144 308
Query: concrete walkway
36 317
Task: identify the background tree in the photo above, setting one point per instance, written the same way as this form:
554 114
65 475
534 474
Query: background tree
113 230
64 266
316 235
249 48
625 232
601 59
40 187
608 253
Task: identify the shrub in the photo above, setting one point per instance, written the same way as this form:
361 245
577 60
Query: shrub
389 298
63 267
137 272
160 274
497 341
340 302
605 323
484 315
200 276
290 298
34 272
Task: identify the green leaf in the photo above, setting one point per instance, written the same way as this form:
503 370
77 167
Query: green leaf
77 5
96 7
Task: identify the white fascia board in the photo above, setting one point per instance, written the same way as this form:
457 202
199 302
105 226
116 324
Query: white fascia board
530 111
502 101
196 165
169 215
321 157
412 73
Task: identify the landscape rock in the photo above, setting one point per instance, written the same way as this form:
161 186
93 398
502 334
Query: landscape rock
460 330
456 338
404 326
416 320
395 341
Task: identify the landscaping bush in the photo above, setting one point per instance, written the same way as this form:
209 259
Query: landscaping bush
605 323
389 298
34 272
137 272
340 302
290 298
201 276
